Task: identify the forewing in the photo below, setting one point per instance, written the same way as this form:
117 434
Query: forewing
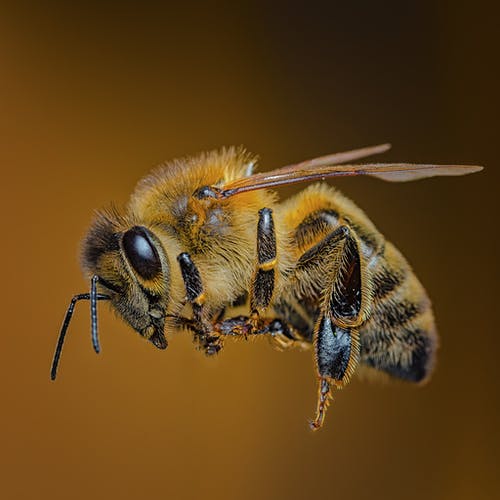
394 172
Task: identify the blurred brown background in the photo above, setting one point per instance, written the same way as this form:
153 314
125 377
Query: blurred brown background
92 97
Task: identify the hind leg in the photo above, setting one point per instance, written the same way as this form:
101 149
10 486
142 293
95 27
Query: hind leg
337 355
336 261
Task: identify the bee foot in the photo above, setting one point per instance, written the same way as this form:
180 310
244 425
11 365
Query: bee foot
324 398
212 345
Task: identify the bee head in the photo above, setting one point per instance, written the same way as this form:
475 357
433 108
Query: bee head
132 269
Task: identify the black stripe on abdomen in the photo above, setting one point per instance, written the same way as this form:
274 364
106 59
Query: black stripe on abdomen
385 281
416 359
318 222
395 314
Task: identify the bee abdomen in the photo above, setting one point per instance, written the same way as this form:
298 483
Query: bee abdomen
400 337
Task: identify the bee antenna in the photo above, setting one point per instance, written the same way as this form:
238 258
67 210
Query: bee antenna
93 296
93 312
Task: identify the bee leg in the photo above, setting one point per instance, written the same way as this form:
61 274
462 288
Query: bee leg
344 308
194 286
262 287
204 334
337 256
284 336
337 354
278 330
298 331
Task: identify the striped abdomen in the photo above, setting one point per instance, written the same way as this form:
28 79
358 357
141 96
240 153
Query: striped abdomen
399 337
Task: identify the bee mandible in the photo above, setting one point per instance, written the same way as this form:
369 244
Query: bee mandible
203 235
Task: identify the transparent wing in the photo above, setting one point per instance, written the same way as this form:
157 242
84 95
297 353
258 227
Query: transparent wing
333 159
327 166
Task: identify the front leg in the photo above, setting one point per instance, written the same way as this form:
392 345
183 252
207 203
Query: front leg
204 334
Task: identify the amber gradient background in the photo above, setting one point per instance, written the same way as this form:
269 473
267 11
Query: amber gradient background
92 97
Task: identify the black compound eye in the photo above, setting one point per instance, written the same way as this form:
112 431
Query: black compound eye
141 253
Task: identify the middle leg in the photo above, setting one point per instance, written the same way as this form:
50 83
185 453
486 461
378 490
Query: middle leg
262 287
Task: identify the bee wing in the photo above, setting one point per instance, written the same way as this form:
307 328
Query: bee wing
317 170
334 158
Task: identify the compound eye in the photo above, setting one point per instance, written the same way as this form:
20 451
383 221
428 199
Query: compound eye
141 253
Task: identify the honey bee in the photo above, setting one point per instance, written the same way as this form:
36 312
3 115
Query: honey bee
203 235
